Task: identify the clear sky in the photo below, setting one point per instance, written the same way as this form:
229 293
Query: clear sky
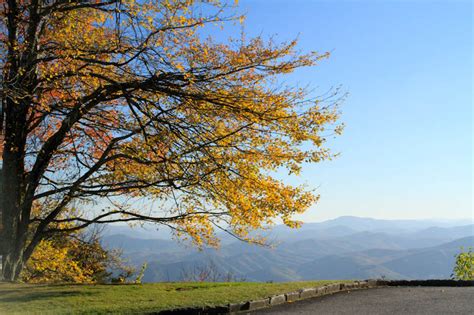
406 151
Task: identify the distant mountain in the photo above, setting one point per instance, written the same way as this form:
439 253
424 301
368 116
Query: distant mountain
146 231
138 250
443 233
431 263
341 226
134 244
379 225
345 267
344 248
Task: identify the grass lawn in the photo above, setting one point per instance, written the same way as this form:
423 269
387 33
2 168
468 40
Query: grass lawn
129 299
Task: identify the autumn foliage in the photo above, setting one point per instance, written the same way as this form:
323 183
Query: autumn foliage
126 110
464 265
73 258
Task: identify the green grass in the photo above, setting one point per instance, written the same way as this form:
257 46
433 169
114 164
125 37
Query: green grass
133 299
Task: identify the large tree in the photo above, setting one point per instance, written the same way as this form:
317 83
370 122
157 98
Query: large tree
105 103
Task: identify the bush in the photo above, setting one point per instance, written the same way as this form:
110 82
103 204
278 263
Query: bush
77 258
464 267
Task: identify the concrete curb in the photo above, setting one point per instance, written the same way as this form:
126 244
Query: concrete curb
307 293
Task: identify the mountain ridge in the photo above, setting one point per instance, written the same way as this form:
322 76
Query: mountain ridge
348 248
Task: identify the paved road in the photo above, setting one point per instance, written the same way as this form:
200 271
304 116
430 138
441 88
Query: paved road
392 300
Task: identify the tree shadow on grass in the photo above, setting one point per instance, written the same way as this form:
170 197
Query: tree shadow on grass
16 296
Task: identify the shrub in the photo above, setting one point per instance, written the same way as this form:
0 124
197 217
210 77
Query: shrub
464 267
77 258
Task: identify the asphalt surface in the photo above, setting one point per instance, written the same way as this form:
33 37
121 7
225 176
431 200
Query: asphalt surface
391 300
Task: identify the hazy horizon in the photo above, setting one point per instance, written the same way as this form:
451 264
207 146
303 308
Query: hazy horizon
451 221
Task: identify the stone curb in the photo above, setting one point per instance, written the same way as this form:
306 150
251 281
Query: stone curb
307 293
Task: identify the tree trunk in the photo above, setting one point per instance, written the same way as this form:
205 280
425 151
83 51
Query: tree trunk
14 221
13 236
12 265
19 78
12 242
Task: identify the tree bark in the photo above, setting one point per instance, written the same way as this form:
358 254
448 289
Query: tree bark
14 221
12 246
12 265
13 235
15 213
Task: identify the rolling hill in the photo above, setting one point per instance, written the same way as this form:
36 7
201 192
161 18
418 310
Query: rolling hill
344 248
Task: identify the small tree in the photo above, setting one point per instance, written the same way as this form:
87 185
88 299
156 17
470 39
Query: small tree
109 101
464 267
208 271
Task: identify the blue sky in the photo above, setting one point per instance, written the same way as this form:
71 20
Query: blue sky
406 151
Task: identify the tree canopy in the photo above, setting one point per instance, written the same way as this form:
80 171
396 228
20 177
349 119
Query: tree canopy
108 102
